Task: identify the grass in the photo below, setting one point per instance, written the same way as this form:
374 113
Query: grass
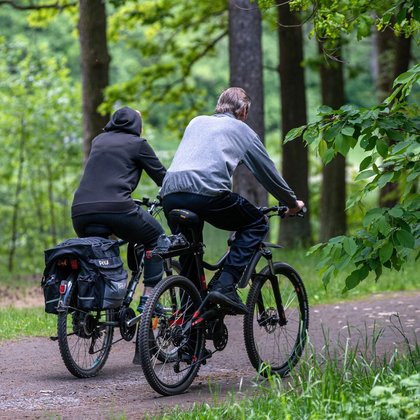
15 323
342 384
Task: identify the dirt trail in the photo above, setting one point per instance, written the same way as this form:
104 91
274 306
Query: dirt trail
35 384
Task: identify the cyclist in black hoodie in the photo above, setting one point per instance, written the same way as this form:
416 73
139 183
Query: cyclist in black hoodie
113 170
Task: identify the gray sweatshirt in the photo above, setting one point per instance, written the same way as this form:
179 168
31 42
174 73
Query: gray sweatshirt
211 149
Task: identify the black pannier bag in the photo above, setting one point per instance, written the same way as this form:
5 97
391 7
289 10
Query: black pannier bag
101 279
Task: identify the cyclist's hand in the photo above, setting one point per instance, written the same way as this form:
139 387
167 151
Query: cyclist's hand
293 211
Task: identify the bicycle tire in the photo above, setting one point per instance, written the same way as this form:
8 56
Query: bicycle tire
184 299
263 321
83 339
162 355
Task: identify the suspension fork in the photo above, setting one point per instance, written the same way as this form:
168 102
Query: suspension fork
266 253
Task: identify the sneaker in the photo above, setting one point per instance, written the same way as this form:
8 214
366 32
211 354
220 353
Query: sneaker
159 309
228 296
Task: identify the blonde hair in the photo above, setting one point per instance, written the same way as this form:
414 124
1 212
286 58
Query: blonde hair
234 100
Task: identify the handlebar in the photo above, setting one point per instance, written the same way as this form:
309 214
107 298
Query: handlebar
151 205
281 211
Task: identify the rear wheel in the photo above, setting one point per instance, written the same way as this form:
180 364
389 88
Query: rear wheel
275 329
84 338
169 348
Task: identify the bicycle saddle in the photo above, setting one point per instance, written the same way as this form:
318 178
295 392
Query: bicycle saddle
184 217
98 230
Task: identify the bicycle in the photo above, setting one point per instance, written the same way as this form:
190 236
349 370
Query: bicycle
85 337
275 329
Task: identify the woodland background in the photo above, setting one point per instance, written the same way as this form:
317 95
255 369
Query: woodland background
322 71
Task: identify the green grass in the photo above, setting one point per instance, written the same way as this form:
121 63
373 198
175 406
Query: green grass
345 385
15 323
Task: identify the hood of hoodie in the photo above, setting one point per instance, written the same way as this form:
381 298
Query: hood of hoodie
125 119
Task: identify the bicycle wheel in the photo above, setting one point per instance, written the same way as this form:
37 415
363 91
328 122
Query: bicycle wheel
84 338
164 330
275 329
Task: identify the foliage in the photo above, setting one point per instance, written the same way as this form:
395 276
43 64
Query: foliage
390 135
39 127
172 37
332 18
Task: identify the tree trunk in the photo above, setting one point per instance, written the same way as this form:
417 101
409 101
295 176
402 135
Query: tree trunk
245 58
295 165
333 190
95 67
393 57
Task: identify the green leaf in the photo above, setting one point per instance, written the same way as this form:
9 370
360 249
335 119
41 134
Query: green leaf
348 131
382 147
365 163
341 145
325 110
327 275
385 178
314 249
331 132
405 239
328 156
386 251
396 212
294 133
365 174
350 246
356 277
372 216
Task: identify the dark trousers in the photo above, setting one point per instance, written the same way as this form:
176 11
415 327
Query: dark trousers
136 226
228 211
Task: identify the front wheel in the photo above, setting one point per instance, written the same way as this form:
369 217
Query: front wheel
275 329
84 338
170 347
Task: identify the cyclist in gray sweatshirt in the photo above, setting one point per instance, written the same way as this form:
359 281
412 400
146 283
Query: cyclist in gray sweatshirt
199 179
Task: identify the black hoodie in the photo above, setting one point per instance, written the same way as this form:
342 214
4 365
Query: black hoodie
113 170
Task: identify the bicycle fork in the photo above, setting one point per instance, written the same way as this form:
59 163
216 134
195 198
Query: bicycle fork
276 291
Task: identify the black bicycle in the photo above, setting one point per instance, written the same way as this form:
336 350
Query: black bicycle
180 316
85 337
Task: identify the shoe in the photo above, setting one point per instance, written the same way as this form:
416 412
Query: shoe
159 309
228 296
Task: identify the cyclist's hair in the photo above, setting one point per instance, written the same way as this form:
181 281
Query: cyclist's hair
233 100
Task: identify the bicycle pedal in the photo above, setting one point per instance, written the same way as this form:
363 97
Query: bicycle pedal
54 338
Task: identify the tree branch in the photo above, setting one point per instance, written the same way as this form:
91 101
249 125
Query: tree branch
186 72
31 6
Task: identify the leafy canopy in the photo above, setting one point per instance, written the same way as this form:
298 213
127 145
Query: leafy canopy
389 134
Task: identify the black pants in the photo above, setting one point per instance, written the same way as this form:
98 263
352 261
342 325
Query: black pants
228 211
136 226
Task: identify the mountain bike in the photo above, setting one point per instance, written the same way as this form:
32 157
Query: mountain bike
85 337
275 328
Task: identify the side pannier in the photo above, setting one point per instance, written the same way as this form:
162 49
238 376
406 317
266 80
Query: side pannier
101 279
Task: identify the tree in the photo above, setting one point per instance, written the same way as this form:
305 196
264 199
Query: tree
94 57
393 57
41 156
172 37
245 58
295 166
95 61
390 236
333 190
